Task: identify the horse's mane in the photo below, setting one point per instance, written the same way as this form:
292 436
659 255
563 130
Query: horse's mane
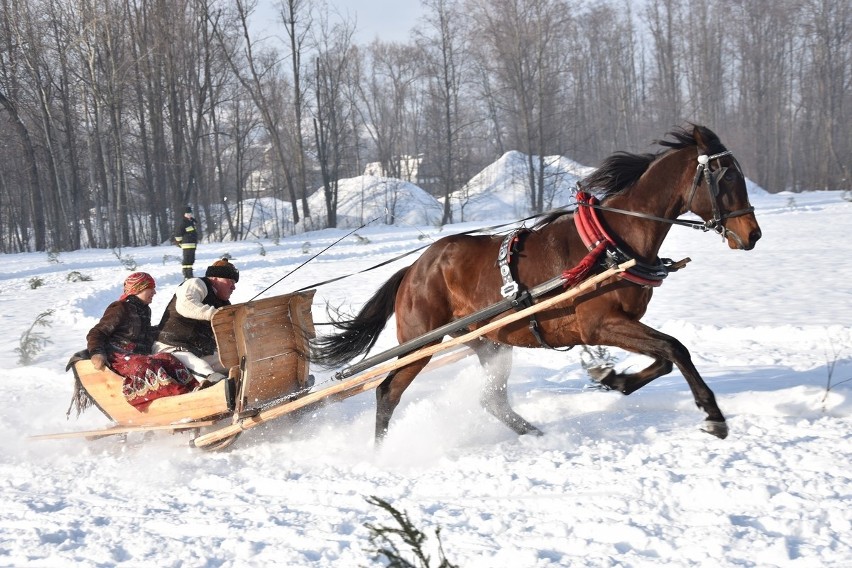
616 173
622 169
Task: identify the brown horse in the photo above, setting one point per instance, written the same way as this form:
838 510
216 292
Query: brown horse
641 197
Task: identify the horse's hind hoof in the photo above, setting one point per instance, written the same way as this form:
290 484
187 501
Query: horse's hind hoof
718 429
526 429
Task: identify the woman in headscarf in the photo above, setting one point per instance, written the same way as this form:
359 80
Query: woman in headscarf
122 339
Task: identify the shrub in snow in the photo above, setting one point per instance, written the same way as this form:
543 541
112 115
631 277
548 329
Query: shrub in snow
385 539
77 276
32 341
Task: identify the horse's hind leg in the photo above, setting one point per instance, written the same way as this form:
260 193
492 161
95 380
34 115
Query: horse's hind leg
496 360
626 383
389 393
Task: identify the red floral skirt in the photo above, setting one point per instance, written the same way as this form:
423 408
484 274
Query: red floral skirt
149 377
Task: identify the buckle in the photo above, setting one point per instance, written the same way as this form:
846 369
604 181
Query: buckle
509 289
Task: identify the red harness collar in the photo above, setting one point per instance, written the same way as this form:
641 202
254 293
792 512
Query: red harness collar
598 240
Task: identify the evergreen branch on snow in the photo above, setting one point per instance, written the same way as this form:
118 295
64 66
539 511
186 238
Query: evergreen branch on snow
385 538
77 276
126 261
32 341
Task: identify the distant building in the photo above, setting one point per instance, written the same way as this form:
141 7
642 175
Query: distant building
413 169
407 166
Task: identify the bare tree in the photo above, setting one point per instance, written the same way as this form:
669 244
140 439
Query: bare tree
387 97
332 115
260 75
664 21
764 49
606 90
444 43
297 22
828 32
31 167
118 113
526 39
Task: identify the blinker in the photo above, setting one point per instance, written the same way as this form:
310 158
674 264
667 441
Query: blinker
719 173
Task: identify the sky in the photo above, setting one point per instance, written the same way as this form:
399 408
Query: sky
389 20
627 482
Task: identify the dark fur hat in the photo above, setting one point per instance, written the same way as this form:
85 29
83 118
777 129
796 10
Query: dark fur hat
223 269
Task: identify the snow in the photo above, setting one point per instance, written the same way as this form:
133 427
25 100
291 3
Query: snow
615 481
498 190
391 201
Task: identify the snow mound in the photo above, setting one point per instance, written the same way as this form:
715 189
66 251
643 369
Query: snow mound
365 198
500 191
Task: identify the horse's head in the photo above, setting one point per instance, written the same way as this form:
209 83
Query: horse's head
718 194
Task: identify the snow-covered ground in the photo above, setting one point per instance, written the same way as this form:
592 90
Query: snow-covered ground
615 481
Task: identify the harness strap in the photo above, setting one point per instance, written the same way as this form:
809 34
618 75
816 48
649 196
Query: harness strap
510 289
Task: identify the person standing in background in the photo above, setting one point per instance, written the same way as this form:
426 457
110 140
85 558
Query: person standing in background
187 239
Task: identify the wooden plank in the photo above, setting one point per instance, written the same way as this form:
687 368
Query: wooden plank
223 330
371 379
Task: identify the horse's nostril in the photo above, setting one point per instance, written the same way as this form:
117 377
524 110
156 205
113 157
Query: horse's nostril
755 235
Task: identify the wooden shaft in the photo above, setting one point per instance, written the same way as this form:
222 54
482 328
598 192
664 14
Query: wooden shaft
368 379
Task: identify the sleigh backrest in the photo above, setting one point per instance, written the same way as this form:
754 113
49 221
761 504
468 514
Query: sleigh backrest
268 340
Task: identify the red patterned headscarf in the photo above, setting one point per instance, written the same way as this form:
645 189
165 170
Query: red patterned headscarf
135 283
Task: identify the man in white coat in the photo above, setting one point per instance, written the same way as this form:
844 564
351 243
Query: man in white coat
185 329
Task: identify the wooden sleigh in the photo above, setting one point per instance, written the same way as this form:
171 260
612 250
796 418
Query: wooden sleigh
265 346
263 343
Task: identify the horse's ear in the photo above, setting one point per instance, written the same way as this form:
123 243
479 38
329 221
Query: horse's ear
698 136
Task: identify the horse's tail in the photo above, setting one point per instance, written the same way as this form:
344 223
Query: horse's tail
359 334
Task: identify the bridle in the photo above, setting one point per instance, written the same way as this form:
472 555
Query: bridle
711 177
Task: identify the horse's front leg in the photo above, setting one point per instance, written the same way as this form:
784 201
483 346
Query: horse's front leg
496 360
639 338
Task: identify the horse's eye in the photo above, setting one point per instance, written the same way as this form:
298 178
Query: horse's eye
729 176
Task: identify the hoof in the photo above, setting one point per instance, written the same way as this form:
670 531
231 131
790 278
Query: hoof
718 429
600 374
525 429
533 431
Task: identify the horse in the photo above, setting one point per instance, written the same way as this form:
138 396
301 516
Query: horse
640 197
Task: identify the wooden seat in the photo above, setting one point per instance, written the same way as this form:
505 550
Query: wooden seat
105 389
268 340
